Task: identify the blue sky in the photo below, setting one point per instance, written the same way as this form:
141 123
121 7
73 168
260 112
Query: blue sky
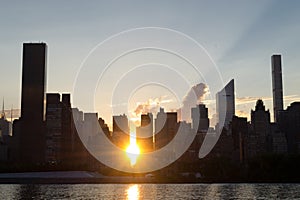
240 36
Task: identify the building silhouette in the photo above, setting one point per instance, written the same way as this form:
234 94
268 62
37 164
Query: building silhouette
260 127
33 103
200 120
239 129
5 126
120 123
33 81
64 148
144 133
90 125
225 105
278 140
53 150
104 127
59 130
5 133
166 127
160 120
121 134
290 124
277 86
76 154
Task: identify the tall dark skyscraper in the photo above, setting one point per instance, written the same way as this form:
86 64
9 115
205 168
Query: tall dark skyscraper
277 86
33 102
225 104
33 81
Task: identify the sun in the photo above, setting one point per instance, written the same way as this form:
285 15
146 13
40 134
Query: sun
133 152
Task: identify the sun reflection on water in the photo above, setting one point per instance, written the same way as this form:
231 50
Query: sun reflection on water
133 192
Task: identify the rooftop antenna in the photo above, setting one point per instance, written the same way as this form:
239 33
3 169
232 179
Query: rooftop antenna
3 112
11 113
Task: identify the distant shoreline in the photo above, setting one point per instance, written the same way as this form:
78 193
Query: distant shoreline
101 181
83 177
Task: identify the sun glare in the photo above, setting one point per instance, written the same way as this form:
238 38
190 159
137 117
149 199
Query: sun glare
133 149
133 152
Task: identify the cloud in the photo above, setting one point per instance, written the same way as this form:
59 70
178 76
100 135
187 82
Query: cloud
197 92
194 96
241 113
291 98
252 100
248 100
14 114
116 105
150 106
213 120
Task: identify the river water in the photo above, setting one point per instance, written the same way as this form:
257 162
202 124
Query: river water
150 191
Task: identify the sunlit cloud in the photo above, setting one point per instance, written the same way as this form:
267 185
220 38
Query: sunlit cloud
12 114
117 105
252 100
209 101
150 106
242 113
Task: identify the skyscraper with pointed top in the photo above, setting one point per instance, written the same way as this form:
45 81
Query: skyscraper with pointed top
225 104
5 125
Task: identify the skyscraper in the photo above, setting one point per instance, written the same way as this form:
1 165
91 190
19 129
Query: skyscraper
121 131
290 123
225 104
53 150
166 127
33 102
200 118
144 133
260 123
33 81
277 86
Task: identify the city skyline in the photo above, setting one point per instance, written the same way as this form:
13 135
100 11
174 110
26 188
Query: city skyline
234 51
137 99
153 105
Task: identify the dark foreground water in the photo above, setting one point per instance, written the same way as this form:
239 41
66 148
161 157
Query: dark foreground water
150 191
